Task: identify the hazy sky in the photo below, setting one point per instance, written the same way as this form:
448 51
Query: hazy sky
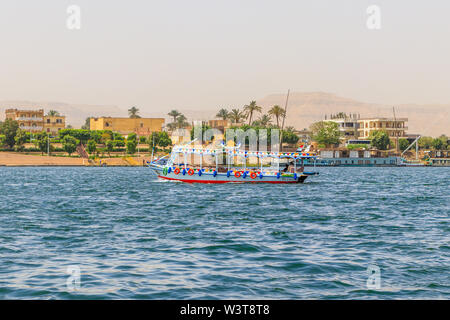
200 54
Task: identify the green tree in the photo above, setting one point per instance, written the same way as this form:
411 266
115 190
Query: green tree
106 136
20 139
437 144
87 124
380 139
131 146
69 144
53 113
290 137
326 132
160 139
425 142
96 135
277 112
119 143
2 140
403 144
92 146
109 146
250 109
133 112
82 135
223 113
181 122
42 142
132 137
9 129
444 140
174 114
236 115
264 120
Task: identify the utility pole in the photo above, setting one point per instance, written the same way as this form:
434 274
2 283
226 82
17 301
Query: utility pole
48 145
153 147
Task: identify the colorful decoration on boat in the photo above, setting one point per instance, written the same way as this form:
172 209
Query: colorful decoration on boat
245 154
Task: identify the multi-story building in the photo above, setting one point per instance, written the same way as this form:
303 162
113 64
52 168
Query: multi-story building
140 126
396 128
348 125
222 125
28 120
54 123
304 135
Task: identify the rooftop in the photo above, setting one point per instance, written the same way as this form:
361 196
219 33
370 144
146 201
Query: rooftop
383 119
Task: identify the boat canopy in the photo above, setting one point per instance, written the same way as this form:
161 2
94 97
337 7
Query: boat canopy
234 151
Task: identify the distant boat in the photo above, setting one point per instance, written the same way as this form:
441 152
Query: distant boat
176 169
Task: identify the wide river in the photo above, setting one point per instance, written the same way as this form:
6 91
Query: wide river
133 237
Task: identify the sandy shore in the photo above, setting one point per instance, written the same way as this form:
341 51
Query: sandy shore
19 159
15 159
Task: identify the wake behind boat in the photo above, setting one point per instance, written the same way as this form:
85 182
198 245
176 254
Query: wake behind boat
178 167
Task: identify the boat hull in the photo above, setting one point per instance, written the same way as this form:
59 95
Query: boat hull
300 179
208 177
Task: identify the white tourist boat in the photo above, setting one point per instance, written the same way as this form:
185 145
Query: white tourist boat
284 168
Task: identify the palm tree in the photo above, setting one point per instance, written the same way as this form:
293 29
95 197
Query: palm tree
277 112
181 121
133 112
264 120
172 126
223 113
174 114
236 115
53 113
250 108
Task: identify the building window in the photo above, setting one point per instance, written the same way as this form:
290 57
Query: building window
48 120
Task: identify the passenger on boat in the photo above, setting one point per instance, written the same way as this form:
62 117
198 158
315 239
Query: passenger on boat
290 168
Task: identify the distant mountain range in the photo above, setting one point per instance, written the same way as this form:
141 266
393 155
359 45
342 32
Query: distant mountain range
304 108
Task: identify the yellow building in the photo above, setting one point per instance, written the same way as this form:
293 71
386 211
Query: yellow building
53 124
28 120
140 126
222 125
396 128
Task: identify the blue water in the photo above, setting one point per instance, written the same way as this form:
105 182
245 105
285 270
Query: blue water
133 237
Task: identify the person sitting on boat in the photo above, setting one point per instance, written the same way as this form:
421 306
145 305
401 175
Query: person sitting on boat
291 169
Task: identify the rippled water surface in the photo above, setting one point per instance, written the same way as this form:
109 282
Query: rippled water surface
134 237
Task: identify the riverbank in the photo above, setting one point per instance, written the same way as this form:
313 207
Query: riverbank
16 159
